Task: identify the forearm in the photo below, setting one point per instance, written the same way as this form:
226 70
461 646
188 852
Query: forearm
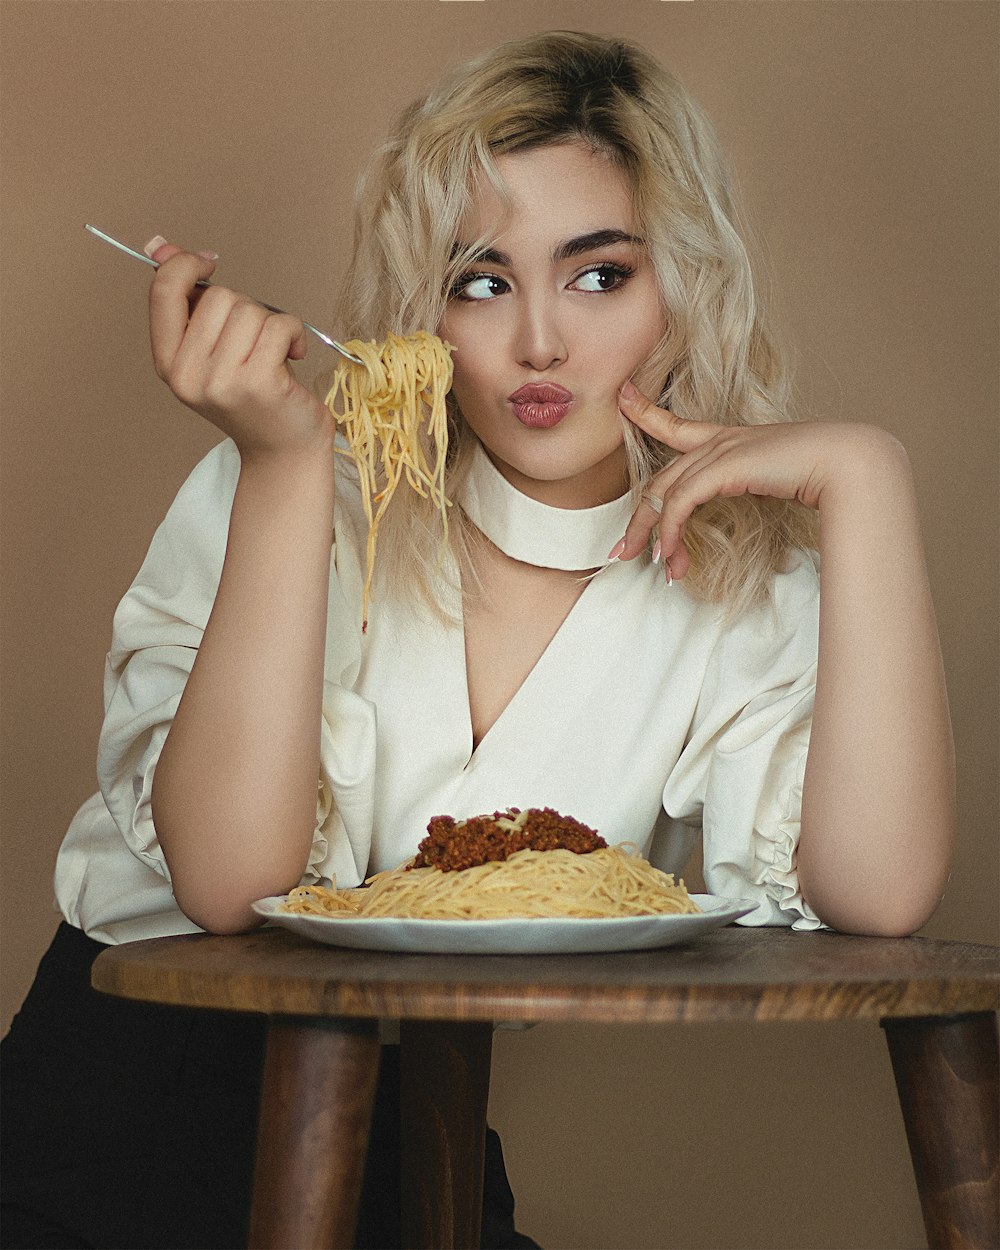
878 800
234 794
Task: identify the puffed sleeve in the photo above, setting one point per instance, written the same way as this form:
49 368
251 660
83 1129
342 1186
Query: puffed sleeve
740 773
158 628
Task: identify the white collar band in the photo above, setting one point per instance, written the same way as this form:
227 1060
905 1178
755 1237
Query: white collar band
536 533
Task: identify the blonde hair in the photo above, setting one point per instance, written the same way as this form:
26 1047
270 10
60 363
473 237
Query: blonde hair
716 361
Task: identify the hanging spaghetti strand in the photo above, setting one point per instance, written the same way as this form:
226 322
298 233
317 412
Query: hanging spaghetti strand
382 409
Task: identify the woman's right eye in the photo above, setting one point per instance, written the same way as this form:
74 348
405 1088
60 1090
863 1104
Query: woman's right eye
478 286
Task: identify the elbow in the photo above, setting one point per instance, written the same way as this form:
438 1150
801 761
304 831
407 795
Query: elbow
906 916
884 916
225 906
219 914
883 927
217 873
878 894
219 899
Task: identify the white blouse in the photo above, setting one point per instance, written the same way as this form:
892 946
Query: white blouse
648 717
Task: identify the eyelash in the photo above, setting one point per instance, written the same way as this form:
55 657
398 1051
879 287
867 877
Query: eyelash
621 274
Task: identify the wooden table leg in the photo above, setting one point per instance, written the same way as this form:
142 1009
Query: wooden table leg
316 1107
946 1070
444 1087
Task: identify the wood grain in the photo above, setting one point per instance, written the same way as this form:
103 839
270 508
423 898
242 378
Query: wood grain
316 1107
732 974
946 1071
445 1082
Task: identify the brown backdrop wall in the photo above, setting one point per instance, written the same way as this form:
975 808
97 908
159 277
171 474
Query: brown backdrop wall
864 136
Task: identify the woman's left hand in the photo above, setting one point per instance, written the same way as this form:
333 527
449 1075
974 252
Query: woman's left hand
797 460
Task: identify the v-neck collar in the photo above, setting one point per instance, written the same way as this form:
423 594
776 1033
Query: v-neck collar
574 633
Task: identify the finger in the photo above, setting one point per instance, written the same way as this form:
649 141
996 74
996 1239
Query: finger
652 511
239 335
661 424
668 571
644 520
208 319
249 360
283 336
253 335
646 517
159 250
712 478
195 358
637 535
169 295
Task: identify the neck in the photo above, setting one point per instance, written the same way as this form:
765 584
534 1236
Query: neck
601 483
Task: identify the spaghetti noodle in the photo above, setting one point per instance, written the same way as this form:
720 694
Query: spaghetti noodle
382 408
609 882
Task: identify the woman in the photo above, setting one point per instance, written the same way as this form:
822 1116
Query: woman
627 624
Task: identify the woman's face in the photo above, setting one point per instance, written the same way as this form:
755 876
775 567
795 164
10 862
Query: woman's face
551 320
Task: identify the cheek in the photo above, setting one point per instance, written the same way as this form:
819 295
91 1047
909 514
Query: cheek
467 383
468 357
637 346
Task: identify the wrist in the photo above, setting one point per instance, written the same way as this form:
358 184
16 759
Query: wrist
871 468
312 456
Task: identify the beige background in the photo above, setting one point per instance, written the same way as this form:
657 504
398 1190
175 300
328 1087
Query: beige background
865 138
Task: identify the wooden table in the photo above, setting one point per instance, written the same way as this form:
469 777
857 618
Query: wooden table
935 1000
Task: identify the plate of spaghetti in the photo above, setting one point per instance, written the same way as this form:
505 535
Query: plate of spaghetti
512 882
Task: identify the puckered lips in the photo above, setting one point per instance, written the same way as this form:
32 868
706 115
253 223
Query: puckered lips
541 405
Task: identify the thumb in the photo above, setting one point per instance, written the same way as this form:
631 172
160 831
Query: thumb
159 251
663 425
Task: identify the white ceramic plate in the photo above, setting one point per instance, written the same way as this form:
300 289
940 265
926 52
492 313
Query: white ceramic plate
561 936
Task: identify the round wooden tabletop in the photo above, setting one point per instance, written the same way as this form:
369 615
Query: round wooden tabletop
735 973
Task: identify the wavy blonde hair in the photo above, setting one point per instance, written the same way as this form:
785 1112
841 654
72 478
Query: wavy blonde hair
717 360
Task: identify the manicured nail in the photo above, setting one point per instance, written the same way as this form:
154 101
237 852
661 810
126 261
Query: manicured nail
616 550
656 552
156 241
206 255
628 391
670 576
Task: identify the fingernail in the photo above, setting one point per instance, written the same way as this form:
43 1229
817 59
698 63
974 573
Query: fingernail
656 552
206 255
670 576
616 550
628 391
156 241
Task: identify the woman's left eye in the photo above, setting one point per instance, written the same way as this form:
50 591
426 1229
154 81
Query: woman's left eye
602 278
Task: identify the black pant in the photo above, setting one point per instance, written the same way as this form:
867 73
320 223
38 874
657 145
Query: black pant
132 1126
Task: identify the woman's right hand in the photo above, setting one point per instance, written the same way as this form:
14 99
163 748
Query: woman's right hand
225 356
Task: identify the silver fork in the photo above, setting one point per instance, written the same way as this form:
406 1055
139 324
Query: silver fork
323 338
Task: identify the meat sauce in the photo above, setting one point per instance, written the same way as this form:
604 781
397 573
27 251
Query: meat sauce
452 845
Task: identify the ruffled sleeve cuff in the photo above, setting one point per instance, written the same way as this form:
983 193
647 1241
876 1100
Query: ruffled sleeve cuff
762 867
345 802
774 843
140 711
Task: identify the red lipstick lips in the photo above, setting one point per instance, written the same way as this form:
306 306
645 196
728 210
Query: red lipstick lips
541 405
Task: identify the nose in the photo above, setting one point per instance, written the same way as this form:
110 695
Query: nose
540 341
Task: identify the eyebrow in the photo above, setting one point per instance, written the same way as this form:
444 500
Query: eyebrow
589 242
566 250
